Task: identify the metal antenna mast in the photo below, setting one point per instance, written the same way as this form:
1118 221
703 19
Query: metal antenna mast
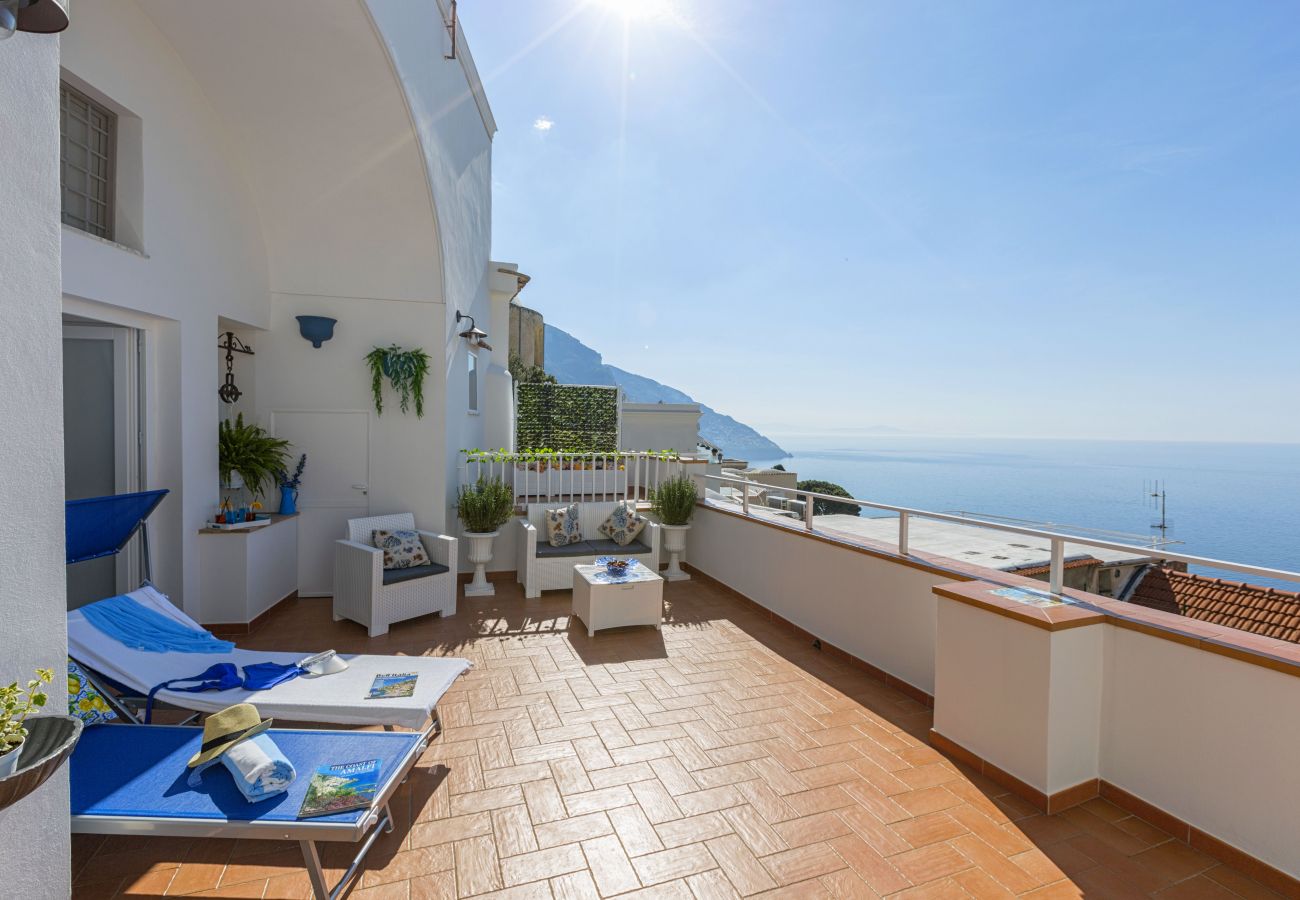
1156 492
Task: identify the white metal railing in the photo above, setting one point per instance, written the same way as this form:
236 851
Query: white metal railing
550 476
1056 540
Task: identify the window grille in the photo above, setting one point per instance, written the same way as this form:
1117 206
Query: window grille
87 148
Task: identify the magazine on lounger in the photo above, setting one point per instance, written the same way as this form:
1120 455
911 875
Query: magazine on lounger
341 788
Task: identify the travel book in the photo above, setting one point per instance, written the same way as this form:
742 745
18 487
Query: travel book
400 684
340 788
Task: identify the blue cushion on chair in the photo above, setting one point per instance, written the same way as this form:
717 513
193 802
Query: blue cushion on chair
613 548
582 548
410 573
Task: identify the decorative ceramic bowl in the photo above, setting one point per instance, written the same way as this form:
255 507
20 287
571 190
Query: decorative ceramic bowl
618 567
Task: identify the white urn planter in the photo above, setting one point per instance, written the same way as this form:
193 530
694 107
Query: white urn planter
480 554
9 761
675 545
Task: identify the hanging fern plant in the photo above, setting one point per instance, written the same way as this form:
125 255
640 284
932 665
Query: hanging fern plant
405 371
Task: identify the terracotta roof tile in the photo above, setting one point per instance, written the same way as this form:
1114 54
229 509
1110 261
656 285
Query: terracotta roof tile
1246 607
1077 562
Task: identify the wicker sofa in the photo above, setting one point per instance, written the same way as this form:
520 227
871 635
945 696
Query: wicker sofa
542 567
367 593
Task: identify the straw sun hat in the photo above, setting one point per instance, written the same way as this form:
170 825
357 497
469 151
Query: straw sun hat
223 730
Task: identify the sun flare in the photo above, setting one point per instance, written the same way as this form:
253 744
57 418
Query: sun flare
639 10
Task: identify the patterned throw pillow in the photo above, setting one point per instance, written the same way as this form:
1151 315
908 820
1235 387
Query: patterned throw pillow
402 549
623 524
562 526
84 702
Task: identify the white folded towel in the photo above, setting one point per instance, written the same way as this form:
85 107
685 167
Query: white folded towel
262 771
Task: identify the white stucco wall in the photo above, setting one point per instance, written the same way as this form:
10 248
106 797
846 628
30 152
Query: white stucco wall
203 259
1209 739
992 689
1024 698
34 843
659 426
880 611
290 184
1074 712
455 132
405 451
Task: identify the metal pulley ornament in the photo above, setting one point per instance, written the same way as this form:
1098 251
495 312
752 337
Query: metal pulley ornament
229 392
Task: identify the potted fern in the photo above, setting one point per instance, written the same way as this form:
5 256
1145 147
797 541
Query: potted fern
248 457
483 507
674 503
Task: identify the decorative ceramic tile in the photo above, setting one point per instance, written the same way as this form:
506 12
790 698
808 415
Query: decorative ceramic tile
1031 597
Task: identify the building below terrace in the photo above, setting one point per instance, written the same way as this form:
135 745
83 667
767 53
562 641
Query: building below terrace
1246 607
1087 568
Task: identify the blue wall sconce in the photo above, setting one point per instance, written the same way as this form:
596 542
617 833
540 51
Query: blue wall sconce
317 329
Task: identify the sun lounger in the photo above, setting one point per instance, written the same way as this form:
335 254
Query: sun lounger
133 781
340 698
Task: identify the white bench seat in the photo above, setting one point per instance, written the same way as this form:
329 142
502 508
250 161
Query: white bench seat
542 567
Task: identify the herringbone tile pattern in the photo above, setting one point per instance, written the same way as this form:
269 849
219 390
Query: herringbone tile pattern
720 757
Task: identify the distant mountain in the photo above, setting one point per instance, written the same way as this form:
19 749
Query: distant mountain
573 362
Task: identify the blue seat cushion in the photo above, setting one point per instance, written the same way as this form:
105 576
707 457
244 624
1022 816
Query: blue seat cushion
606 547
581 548
410 573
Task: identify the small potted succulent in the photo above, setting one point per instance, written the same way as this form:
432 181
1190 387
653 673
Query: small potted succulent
483 508
16 704
289 485
674 503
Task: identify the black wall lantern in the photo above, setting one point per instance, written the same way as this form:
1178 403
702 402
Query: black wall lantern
232 345
476 336
36 16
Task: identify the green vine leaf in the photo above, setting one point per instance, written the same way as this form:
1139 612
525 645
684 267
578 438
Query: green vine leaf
405 370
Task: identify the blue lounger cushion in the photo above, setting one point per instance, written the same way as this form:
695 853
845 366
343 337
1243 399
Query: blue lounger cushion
137 772
397 576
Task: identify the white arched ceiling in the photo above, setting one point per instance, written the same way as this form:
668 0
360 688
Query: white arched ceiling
321 126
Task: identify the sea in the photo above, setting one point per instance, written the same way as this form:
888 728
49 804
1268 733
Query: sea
1226 501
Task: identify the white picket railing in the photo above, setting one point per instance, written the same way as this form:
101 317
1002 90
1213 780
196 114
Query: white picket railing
755 498
572 477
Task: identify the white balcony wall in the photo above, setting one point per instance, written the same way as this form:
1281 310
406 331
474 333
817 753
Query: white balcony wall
880 611
1025 698
34 845
1204 737
1209 739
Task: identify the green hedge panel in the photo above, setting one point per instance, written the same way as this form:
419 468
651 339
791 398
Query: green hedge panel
580 418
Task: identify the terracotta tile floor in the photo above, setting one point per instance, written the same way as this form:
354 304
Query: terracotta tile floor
719 757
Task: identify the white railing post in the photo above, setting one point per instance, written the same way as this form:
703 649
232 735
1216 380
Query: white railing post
808 507
744 497
904 521
1056 570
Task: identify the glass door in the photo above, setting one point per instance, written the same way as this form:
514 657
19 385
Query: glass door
101 442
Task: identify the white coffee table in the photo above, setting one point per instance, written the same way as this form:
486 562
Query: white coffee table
602 601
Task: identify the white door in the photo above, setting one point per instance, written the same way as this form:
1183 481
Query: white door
334 485
101 451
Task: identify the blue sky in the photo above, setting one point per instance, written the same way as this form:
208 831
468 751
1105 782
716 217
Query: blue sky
1058 220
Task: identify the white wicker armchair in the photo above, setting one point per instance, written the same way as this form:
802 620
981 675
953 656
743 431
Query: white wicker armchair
364 592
